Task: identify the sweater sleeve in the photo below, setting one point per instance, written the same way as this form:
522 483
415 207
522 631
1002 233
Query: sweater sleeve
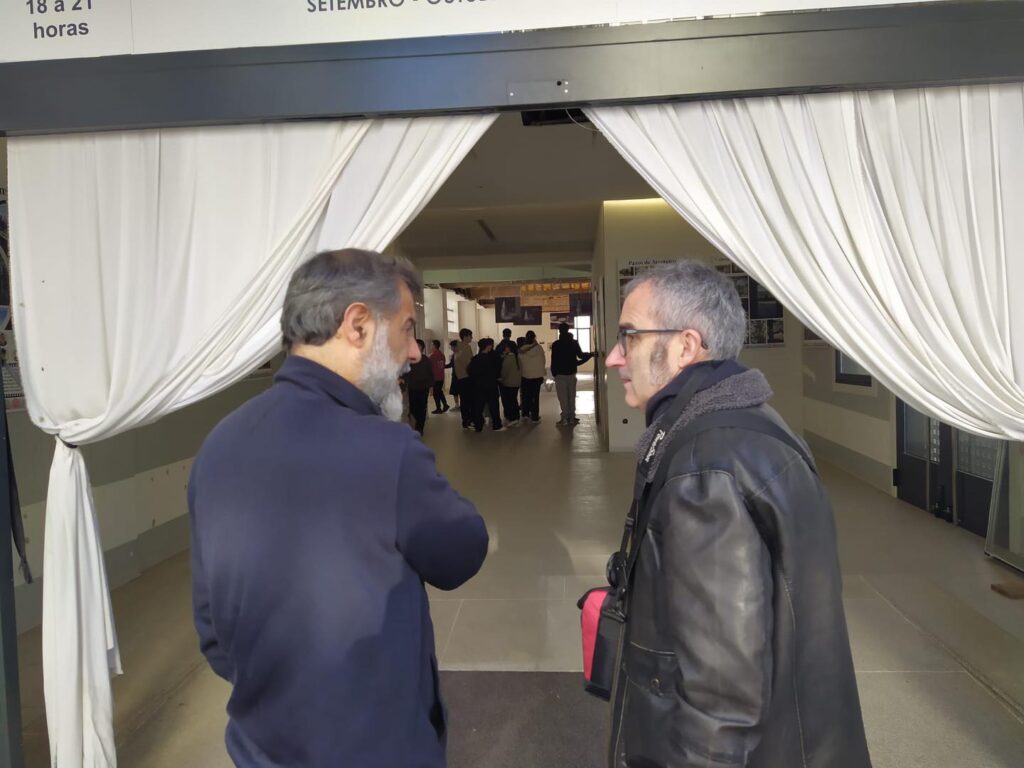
440 534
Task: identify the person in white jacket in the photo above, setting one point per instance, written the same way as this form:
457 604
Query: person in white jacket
532 365
510 381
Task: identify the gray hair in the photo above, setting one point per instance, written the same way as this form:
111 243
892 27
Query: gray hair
688 294
323 288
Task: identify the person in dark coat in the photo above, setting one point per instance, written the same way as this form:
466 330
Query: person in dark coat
566 358
418 383
506 343
316 521
484 373
736 652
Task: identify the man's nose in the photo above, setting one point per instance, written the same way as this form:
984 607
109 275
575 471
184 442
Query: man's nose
615 358
414 352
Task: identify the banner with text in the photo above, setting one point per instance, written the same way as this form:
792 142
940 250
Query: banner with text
64 29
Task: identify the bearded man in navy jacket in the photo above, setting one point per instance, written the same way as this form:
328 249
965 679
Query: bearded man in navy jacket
316 520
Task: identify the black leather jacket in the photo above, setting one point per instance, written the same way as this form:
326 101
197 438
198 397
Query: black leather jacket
736 650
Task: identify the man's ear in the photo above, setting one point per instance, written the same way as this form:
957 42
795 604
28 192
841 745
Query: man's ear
693 348
356 325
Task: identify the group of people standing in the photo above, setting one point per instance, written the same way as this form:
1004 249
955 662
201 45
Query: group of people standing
504 377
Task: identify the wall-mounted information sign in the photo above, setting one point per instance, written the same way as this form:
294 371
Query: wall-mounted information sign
64 29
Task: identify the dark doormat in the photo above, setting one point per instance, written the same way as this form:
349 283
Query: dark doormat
523 720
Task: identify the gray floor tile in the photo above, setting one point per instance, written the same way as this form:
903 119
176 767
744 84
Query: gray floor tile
525 635
933 719
883 640
554 506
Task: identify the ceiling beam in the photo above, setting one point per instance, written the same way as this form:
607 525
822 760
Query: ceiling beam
502 274
517 258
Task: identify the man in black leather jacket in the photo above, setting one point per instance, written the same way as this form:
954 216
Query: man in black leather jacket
735 652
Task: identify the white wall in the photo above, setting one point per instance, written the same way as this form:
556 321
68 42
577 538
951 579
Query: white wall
650 229
486 324
467 317
601 337
434 317
854 427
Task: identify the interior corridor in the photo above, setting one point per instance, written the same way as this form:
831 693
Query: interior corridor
926 629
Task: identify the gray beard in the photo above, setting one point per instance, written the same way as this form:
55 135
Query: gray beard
658 370
380 376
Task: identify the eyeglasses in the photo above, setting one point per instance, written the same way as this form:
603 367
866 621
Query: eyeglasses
627 333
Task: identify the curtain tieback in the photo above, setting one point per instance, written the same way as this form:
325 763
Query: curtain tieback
72 446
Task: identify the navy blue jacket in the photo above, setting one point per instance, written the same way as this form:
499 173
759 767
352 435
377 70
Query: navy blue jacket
315 523
567 356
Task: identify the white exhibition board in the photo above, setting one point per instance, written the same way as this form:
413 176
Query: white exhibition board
33 30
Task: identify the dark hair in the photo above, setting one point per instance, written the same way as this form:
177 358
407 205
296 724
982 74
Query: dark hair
531 336
437 344
507 333
520 341
322 290
563 327
484 343
453 343
465 333
421 344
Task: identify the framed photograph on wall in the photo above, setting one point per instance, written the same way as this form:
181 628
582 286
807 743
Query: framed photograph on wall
557 318
765 324
581 304
506 309
530 316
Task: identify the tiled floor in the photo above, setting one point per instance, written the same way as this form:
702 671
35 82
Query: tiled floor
924 625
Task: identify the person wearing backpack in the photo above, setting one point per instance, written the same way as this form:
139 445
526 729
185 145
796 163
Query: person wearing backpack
532 365
734 648
510 381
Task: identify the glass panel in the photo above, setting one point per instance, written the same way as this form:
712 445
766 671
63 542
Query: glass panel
977 455
581 328
935 442
849 365
915 433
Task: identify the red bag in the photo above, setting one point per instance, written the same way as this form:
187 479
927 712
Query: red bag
601 625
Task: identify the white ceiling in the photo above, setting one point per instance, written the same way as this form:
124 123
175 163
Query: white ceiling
503 233
554 164
538 189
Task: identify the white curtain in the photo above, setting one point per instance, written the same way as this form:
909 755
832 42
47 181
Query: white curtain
890 222
149 270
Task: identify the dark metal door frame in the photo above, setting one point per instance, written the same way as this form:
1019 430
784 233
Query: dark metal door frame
891 47
939 484
10 697
912 479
